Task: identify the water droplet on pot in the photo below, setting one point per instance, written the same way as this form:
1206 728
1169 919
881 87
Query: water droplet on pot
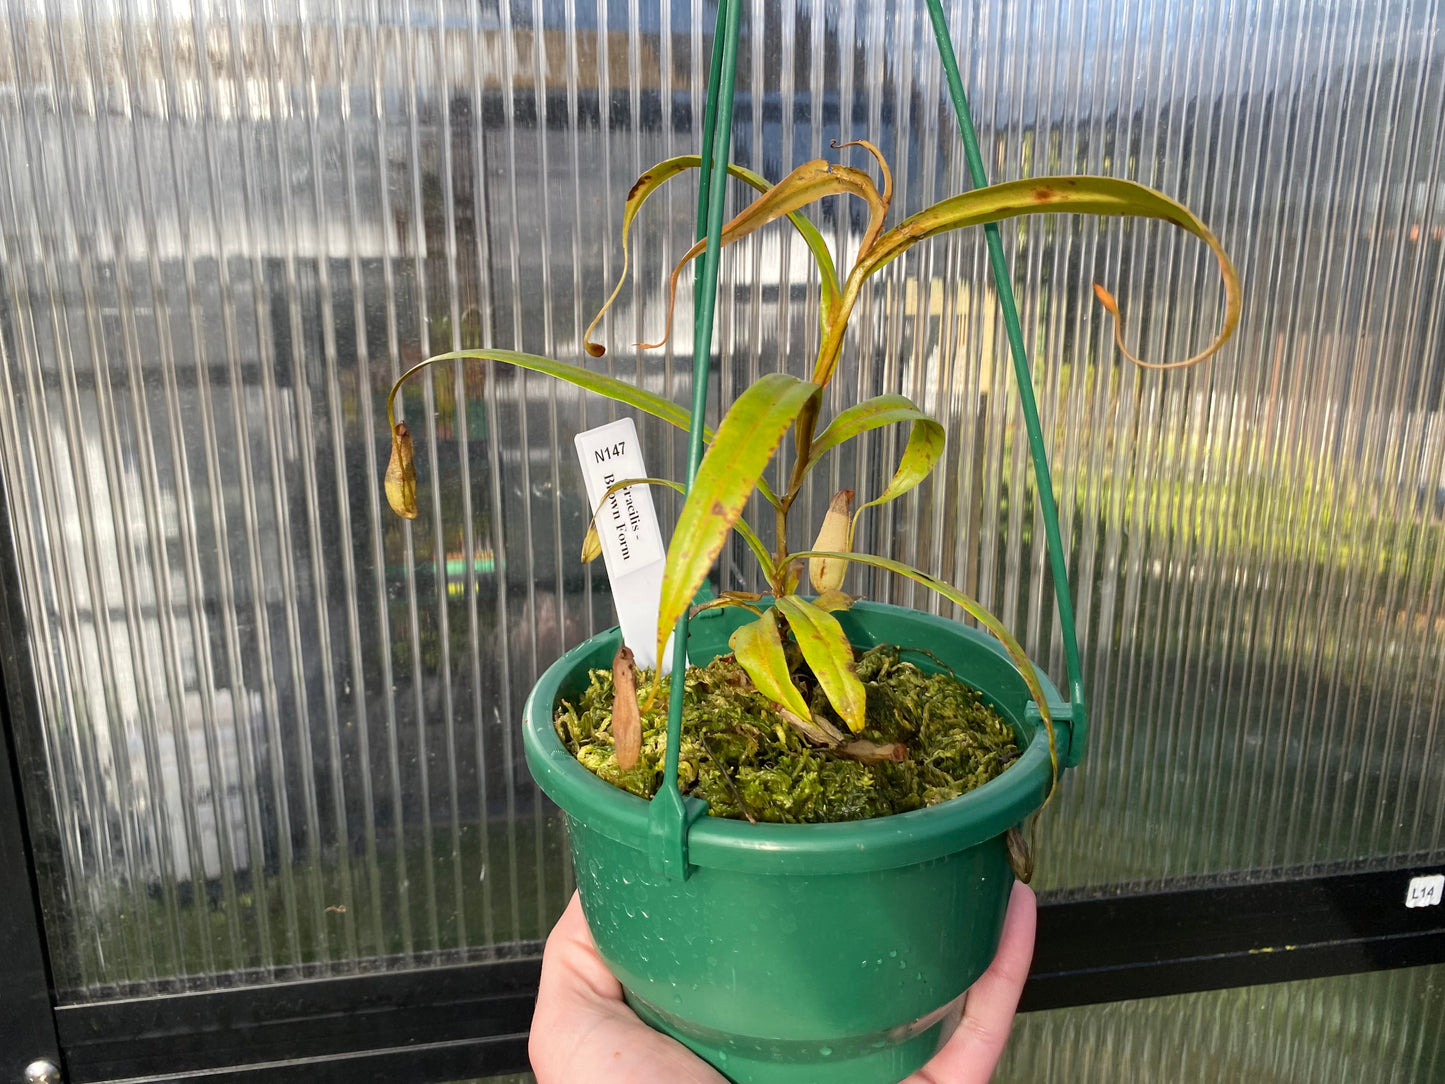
826 1051
893 955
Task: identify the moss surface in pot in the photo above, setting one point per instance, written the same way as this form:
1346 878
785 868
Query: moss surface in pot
926 738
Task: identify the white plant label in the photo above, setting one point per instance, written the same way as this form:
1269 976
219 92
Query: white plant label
1425 891
632 546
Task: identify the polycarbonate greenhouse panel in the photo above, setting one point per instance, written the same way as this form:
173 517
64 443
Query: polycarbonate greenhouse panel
277 727
1382 1027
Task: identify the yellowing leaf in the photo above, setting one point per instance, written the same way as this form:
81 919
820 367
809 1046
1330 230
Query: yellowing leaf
663 172
1013 199
610 387
859 418
743 528
878 208
723 602
807 184
920 455
759 650
829 655
746 441
975 610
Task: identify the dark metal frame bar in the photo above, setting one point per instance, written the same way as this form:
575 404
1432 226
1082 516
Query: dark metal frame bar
27 1023
472 1019
27 1027
1198 935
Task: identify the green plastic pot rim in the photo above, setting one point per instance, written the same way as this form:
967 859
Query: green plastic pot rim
902 839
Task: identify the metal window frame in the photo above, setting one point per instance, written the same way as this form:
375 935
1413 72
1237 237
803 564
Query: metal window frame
27 989
469 1020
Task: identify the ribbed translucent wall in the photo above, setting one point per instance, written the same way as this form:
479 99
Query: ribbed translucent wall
1383 1027
277 727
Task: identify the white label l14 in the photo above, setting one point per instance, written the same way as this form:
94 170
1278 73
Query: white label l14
632 546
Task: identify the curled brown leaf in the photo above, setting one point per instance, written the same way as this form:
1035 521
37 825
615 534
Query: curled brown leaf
626 717
870 752
401 473
815 730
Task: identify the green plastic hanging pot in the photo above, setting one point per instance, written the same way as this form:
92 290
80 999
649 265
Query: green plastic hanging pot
800 954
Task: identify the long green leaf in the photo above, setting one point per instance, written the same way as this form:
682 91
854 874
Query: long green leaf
665 171
759 649
745 443
401 472
617 390
1013 199
829 655
975 610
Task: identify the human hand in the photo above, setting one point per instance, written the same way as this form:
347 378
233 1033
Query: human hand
584 1033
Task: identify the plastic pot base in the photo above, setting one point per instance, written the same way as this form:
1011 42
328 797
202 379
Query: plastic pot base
882 1057
818 953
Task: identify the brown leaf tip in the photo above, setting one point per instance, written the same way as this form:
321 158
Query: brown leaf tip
595 350
1106 299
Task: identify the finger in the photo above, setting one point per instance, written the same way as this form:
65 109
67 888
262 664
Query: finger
570 960
582 1030
970 1055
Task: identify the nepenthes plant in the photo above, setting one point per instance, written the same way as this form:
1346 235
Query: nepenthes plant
795 630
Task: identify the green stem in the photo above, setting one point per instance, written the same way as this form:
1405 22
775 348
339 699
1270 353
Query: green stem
781 559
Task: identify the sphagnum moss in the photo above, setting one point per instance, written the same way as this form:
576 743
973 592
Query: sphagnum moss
740 754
